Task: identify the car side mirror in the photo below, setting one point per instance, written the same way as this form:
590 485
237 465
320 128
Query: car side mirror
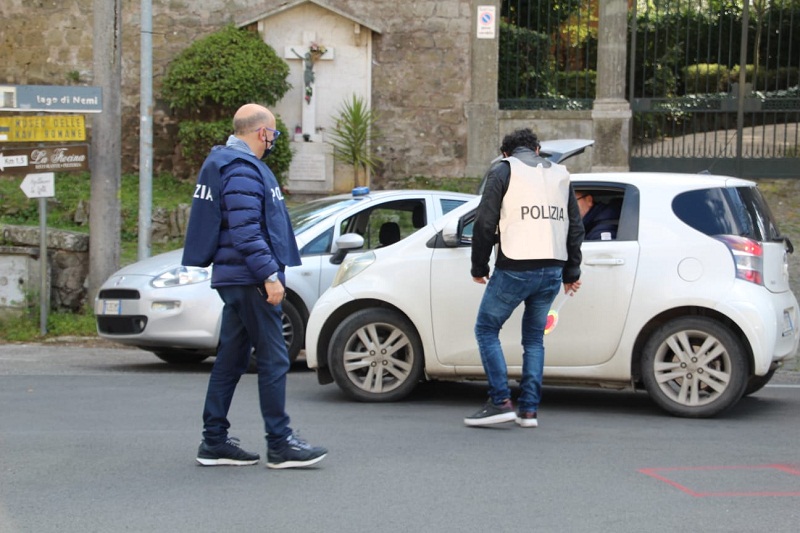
451 234
344 244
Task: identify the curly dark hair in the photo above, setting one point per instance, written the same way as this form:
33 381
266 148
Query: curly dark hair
523 137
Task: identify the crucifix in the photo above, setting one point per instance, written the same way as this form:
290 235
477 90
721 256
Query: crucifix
309 54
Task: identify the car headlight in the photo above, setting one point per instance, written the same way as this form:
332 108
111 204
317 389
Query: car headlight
351 267
181 275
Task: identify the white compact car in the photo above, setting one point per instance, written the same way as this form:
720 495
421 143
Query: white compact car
158 305
691 302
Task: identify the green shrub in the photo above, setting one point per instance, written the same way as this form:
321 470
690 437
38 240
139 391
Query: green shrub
577 84
224 71
197 138
525 63
207 82
706 78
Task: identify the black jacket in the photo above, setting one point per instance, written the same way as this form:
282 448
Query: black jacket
487 217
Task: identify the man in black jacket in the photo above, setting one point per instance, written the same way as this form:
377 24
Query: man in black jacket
528 208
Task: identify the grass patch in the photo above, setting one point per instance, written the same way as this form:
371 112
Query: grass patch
73 191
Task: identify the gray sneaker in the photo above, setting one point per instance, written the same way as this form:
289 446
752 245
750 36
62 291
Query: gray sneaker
491 414
229 453
297 453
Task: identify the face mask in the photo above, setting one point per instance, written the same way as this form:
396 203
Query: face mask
276 134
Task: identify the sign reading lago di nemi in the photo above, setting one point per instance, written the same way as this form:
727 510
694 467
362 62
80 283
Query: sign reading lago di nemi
55 159
67 98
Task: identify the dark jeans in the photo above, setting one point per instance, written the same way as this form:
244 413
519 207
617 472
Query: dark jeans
248 321
506 290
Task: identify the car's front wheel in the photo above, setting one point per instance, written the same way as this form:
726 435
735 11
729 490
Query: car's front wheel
756 383
694 367
375 355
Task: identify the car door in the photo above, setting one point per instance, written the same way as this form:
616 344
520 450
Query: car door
409 212
590 323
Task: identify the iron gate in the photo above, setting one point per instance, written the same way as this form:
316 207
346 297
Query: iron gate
715 86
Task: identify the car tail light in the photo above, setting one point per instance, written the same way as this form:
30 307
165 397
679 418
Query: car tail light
748 256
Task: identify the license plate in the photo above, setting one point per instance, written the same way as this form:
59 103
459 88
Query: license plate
111 307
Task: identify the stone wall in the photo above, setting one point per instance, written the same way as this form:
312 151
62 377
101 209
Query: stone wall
421 65
68 266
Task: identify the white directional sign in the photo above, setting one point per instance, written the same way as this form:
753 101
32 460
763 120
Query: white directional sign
15 160
40 185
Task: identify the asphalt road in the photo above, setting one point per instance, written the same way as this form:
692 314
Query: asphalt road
103 440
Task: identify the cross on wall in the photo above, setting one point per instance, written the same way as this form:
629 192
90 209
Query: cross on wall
309 100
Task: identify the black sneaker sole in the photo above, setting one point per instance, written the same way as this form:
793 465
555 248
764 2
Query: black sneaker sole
500 418
297 464
225 462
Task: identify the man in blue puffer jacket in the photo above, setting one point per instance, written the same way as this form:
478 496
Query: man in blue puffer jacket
240 223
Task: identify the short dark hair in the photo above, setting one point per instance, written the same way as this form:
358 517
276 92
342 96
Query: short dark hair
524 137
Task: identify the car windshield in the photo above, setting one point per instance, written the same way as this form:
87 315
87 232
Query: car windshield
305 216
728 211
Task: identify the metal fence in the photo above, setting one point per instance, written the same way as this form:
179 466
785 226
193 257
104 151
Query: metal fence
548 54
713 84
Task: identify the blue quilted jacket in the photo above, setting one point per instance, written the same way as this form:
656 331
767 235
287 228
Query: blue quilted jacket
239 221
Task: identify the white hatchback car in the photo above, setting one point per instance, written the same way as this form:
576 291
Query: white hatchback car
691 302
158 305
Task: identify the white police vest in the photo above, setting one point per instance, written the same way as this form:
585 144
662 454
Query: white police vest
534 221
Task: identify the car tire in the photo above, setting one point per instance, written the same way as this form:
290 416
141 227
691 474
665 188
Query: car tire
375 355
294 329
181 357
707 379
756 383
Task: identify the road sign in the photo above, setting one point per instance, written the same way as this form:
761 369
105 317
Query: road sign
40 185
71 158
60 128
56 98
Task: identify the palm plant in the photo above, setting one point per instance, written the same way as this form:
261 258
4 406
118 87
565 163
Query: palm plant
352 135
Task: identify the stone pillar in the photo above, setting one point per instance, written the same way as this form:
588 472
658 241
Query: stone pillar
611 114
482 109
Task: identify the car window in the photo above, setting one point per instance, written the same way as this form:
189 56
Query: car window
320 245
386 223
305 216
449 204
601 208
738 211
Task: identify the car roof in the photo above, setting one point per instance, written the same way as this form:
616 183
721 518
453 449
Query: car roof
375 195
667 180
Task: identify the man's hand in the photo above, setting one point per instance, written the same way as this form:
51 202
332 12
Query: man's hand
572 287
275 292
482 281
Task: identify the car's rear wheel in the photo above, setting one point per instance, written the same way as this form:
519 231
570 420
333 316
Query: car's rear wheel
375 355
181 357
694 367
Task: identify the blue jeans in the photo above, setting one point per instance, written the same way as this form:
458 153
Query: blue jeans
504 292
248 322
